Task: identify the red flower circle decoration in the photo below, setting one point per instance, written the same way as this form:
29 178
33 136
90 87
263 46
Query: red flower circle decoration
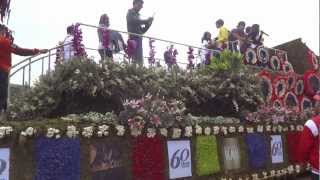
275 63
266 85
299 89
291 81
251 56
291 100
263 54
305 103
279 86
287 67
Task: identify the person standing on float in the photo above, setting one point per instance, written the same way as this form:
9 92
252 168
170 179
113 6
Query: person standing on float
309 141
137 26
6 49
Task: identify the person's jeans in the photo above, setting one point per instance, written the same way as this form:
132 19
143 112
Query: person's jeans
105 53
138 56
3 90
315 177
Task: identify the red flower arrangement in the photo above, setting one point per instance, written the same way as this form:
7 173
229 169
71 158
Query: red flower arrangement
279 86
148 160
299 89
313 60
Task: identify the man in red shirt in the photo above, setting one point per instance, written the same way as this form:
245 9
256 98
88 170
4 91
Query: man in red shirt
6 49
309 141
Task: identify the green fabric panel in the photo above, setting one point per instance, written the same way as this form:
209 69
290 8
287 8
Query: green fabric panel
207 160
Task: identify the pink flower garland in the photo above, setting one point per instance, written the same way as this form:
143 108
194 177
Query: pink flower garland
77 42
152 52
106 37
190 58
131 48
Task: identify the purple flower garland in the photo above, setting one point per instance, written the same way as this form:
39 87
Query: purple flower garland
131 48
152 52
170 56
190 58
77 42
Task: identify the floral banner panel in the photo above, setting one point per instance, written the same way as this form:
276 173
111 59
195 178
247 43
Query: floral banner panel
179 157
57 159
276 149
257 146
4 163
107 160
231 154
207 158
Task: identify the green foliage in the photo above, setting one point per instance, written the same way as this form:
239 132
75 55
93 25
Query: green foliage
227 61
207 155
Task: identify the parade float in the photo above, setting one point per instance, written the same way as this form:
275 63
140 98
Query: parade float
237 118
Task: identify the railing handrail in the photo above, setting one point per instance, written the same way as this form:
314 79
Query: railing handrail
150 37
168 41
31 62
27 59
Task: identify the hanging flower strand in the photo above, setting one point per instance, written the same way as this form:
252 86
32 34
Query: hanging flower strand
170 56
106 37
77 42
190 58
152 52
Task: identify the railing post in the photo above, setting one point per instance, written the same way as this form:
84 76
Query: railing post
49 63
42 66
23 72
29 80
9 86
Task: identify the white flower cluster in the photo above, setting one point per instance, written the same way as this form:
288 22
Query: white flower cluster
120 130
260 128
198 130
72 132
216 130
188 131
176 133
224 130
164 132
241 129
151 132
292 128
52 132
232 129
207 131
255 176
30 131
291 169
299 128
298 169
5 131
250 129
268 128
87 132
103 130
280 128
265 174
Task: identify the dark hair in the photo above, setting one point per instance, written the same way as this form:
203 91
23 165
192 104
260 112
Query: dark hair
220 22
241 23
70 29
137 1
255 28
8 32
104 19
204 37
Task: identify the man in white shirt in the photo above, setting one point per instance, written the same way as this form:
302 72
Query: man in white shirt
68 50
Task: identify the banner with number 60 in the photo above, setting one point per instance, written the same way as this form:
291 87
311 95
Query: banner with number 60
179 158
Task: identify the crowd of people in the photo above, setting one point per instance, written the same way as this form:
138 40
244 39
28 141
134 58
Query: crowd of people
238 39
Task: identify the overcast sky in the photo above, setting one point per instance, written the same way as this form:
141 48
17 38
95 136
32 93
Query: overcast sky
42 23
